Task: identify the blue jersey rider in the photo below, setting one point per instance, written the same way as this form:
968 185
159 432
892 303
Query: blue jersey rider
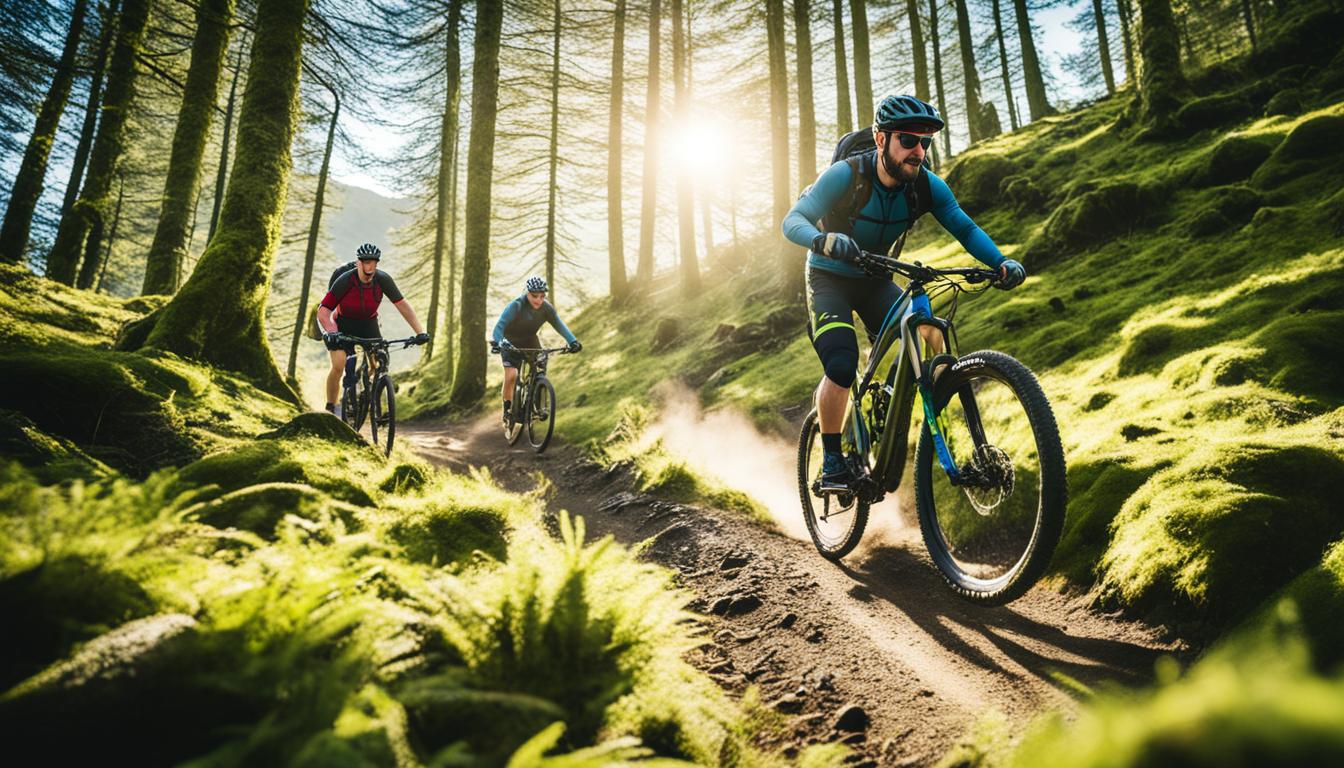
518 326
837 285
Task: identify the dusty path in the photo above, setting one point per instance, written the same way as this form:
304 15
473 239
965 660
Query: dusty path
877 653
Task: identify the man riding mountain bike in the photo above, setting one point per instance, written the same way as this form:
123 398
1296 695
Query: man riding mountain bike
354 297
518 326
868 202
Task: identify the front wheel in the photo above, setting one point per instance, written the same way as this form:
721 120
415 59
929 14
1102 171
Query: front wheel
834 521
541 415
513 425
992 531
383 416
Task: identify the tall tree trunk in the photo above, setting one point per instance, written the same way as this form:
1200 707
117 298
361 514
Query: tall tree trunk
863 68
975 121
938 75
554 157
704 191
791 266
111 233
615 218
1246 16
1160 78
844 116
219 314
447 162
807 118
1127 34
920 56
199 97
314 228
450 316
222 172
1003 67
1037 102
469 382
108 23
690 265
33 169
648 211
91 209
1104 46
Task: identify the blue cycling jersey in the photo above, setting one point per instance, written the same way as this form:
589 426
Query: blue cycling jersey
883 219
520 322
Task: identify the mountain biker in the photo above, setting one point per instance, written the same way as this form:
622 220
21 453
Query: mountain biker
518 326
840 282
354 297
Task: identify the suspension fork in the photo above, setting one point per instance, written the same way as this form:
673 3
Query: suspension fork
921 313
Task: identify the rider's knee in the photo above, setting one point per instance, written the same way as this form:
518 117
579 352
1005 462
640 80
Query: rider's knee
842 366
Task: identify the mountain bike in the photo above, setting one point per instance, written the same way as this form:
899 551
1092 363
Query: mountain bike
533 398
372 394
989 472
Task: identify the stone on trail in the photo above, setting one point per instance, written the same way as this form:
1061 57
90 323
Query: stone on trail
852 717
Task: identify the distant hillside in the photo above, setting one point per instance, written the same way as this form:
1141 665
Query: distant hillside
362 216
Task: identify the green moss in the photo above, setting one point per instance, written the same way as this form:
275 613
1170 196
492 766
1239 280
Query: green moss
438 534
977 176
334 469
1213 111
1231 160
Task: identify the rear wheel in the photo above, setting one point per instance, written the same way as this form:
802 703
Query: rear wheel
992 533
834 521
383 417
541 415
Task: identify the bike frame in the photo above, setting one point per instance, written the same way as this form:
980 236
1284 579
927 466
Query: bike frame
531 373
898 350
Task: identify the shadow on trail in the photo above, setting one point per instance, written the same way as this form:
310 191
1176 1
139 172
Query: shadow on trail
910 584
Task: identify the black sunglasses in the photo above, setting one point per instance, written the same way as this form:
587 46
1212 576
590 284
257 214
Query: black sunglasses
909 140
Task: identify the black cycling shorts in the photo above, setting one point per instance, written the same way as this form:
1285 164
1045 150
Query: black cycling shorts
832 301
364 329
513 358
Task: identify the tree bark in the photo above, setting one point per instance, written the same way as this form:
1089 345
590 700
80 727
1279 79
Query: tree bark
690 265
791 267
1246 16
91 209
844 117
1104 47
938 75
554 155
1160 79
447 162
199 97
1037 102
920 56
1127 34
314 228
975 120
32 173
648 211
469 381
222 172
616 280
807 118
218 316
111 234
863 69
1003 67
450 315
108 23
704 190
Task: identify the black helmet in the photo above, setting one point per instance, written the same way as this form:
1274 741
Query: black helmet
536 285
368 252
895 112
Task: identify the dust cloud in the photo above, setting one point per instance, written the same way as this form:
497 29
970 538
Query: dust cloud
726 446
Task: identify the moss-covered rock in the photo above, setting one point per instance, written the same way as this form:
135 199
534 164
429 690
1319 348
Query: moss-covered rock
1312 141
1237 202
60 602
1090 218
439 534
976 178
1022 193
51 459
1212 111
442 712
320 425
1288 101
261 508
406 477
338 471
1231 160
1208 222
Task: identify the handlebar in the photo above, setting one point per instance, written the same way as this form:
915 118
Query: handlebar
495 348
922 273
409 341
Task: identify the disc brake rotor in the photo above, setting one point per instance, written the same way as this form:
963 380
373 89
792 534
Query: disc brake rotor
994 479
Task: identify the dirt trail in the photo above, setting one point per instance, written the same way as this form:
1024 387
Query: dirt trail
877 652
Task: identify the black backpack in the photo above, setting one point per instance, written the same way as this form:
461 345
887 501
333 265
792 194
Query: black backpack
860 151
340 271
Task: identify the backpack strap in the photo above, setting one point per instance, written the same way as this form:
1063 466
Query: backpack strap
919 196
841 218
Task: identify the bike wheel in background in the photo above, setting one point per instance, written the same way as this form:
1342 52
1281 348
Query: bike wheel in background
363 388
541 415
835 521
383 414
992 534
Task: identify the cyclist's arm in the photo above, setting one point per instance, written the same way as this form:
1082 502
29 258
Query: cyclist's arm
509 313
404 307
553 318
800 225
329 305
949 213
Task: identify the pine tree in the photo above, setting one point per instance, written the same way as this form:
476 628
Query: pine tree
615 219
